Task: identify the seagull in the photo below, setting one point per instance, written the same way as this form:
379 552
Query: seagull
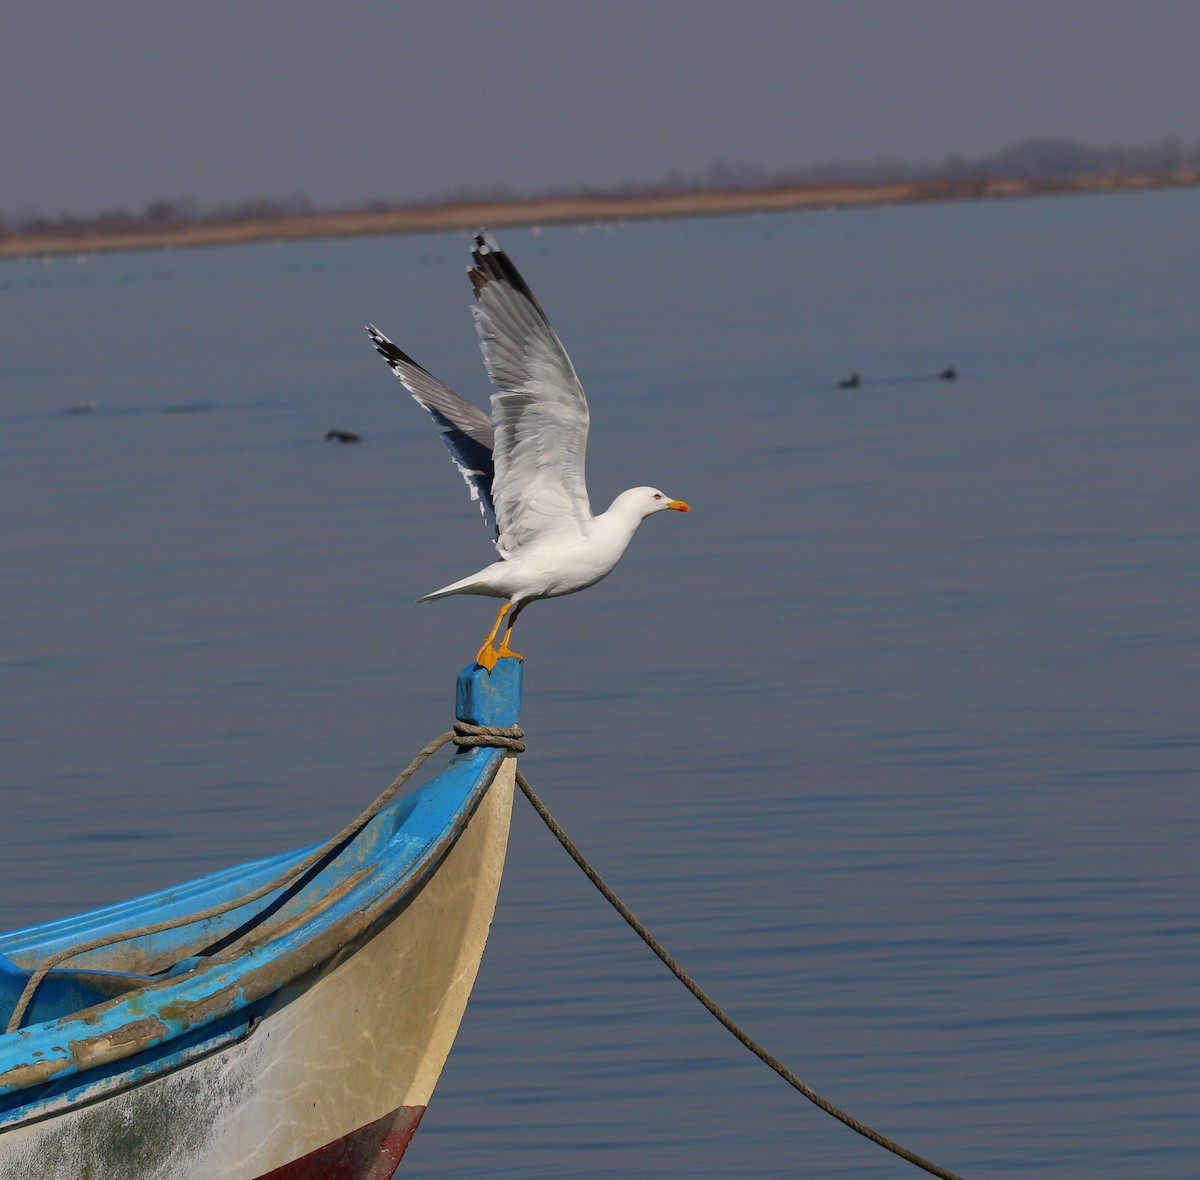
524 464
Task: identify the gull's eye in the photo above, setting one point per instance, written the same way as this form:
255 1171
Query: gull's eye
658 495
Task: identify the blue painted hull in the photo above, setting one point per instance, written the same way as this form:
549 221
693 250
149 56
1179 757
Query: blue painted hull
244 1044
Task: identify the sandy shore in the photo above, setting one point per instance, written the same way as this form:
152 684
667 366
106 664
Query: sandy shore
548 210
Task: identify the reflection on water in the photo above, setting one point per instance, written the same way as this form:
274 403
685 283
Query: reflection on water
893 740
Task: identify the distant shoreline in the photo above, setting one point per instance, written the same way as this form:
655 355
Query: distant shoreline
469 215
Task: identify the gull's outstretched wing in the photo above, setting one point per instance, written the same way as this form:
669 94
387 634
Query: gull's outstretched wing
466 430
539 412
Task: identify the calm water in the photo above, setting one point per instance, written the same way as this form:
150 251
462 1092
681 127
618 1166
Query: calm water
894 740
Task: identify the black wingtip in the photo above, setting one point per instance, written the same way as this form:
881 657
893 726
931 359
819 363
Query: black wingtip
383 345
492 265
390 352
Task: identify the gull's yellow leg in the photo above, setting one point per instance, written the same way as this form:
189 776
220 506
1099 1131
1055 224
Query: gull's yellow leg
504 649
488 655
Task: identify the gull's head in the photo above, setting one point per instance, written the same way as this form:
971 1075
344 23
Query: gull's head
645 502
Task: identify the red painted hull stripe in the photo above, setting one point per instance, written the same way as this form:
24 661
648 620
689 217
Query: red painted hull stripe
370 1153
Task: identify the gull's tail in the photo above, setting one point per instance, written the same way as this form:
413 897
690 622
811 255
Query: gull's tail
471 585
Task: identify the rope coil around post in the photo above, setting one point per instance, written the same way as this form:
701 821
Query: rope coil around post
500 737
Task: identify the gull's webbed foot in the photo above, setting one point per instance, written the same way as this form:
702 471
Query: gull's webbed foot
489 655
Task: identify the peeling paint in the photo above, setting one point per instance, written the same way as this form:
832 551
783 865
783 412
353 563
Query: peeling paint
33 1073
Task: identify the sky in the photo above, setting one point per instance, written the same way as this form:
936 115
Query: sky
107 106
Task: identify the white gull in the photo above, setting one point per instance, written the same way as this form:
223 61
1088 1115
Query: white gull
525 464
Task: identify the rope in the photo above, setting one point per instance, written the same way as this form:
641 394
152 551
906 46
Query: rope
500 737
782 1070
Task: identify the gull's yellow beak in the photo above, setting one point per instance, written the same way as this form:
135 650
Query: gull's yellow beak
678 505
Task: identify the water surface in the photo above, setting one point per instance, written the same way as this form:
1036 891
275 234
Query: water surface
893 740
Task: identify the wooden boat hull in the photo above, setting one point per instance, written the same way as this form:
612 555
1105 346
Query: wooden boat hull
326 1076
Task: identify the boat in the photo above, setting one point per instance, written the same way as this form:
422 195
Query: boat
295 1036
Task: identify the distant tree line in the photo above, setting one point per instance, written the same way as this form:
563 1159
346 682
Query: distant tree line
1042 159
1045 159
157 216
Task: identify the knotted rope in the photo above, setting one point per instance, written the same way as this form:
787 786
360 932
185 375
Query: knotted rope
499 736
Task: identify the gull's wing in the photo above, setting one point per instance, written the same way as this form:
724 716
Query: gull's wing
539 412
465 430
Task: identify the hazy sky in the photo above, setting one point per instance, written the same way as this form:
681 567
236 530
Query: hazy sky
112 104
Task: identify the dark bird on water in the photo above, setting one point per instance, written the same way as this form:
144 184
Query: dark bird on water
851 382
949 374
342 436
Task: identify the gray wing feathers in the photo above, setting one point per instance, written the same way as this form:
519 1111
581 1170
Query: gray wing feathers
466 431
539 410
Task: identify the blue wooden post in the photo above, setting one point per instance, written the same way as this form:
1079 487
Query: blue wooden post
490 698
